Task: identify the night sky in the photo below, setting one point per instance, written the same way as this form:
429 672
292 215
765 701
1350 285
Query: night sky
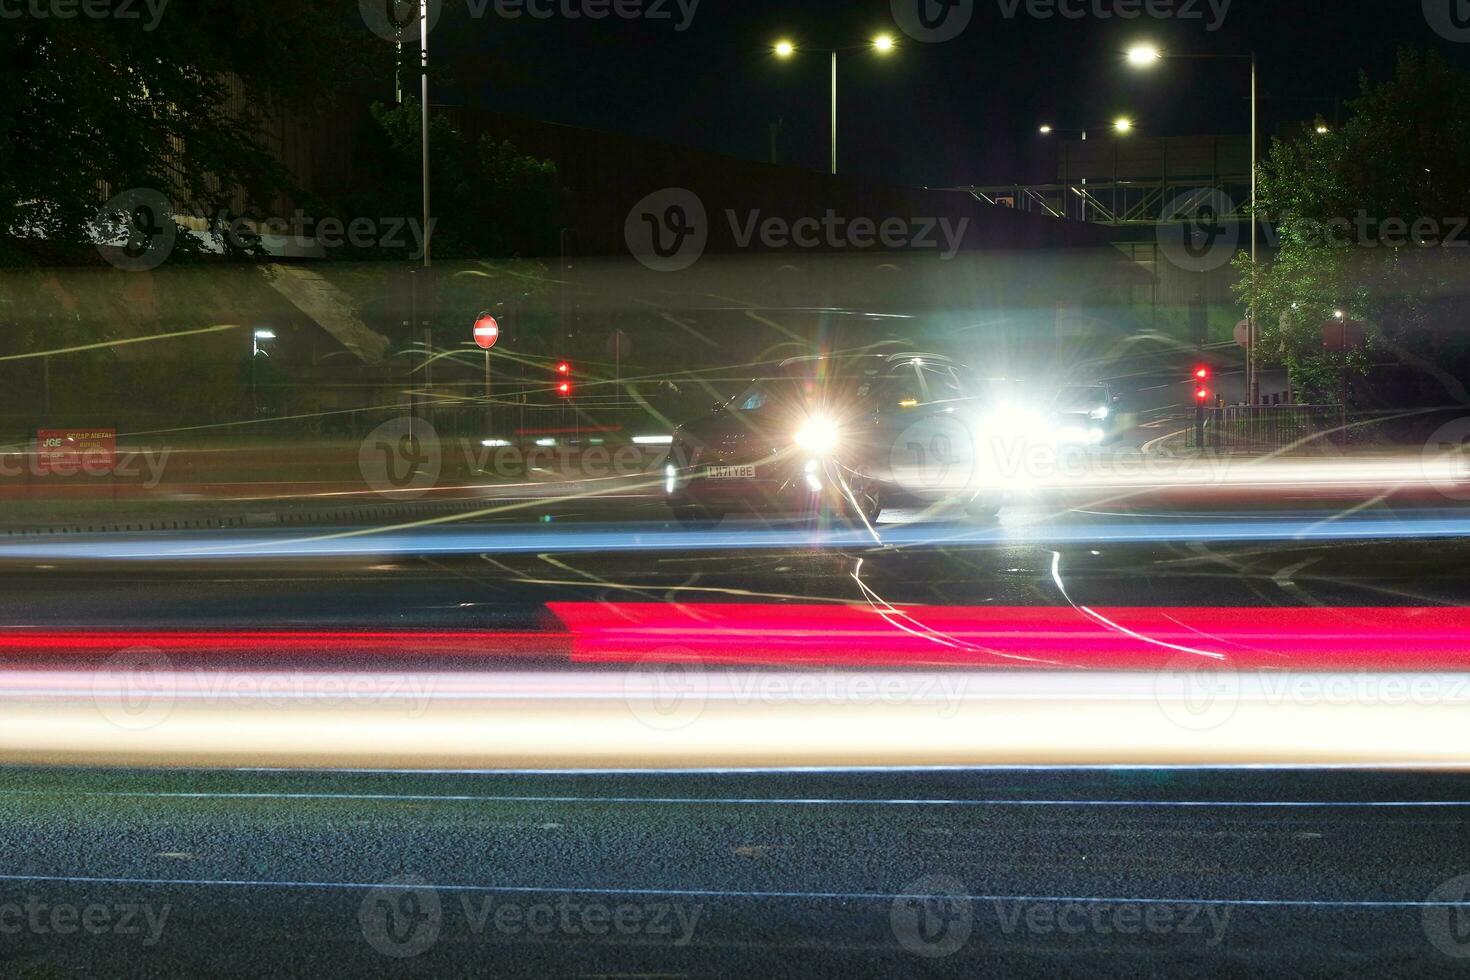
961 111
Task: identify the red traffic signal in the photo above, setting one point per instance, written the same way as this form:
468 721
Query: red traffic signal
1201 396
1202 373
563 368
564 389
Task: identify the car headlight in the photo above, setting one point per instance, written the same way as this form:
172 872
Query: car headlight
817 435
1098 414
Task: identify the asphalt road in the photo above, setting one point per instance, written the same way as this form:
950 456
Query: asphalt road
1114 872
1010 873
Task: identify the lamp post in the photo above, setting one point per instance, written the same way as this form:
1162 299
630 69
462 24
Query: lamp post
1121 126
785 49
256 351
1146 56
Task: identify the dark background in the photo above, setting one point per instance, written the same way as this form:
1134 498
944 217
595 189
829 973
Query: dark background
935 114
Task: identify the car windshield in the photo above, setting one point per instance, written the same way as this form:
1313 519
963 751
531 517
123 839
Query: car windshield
724 488
1081 399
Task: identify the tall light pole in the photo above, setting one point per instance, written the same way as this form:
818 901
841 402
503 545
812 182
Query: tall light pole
424 120
882 44
1146 56
1121 126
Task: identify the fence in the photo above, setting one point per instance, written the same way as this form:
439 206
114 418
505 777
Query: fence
1265 428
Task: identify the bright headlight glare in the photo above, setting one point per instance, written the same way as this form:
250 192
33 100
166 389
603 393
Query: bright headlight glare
817 435
1099 413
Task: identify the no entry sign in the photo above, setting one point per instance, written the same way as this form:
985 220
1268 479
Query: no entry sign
487 331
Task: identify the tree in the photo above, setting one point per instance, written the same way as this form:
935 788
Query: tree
490 200
140 99
1371 221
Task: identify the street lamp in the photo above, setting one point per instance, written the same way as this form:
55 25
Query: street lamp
882 44
1121 126
256 353
1148 55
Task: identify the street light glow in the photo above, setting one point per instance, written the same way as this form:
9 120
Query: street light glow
1122 124
1322 129
265 335
1143 55
785 49
1045 130
884 43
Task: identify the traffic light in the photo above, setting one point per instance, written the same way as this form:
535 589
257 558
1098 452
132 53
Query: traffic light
564 373
564 389
1201 390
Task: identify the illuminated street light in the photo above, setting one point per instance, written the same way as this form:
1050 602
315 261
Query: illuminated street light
882 44
1045 130
1122 124
1143 55
1322 129
1148 55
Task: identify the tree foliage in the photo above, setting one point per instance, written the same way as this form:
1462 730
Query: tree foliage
1372 220
142 99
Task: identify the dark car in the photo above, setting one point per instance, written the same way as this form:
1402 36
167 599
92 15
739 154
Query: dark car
1085 414
842 436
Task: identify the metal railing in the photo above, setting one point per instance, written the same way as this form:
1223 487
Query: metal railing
1264 428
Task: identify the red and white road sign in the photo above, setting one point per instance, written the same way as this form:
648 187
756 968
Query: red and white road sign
487 331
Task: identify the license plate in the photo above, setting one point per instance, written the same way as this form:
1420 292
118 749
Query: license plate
729 472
